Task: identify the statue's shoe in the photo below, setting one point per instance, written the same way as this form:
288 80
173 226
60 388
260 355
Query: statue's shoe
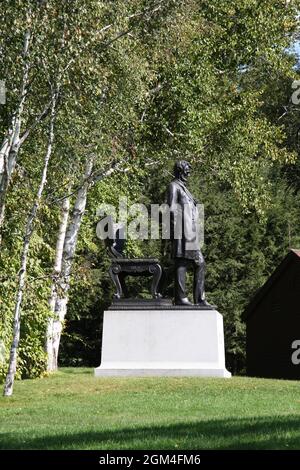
184 301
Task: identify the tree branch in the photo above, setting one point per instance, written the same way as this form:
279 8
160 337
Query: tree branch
37 120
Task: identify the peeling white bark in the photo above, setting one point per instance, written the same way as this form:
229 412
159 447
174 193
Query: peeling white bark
51 332
69 249
10 377
11 145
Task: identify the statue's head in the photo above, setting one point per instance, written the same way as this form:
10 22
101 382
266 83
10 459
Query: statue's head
182 170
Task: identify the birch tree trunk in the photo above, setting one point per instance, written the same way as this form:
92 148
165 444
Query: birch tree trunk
69 249
3 179
51 325
11 144
9 383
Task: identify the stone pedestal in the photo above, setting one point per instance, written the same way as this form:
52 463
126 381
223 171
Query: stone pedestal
171 341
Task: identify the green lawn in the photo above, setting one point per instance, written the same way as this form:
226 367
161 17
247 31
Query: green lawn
74 410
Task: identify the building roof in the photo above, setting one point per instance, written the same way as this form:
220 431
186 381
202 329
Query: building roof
293 255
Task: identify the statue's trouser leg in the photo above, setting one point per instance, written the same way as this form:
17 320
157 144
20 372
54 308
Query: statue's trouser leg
180 278
199 274
166 282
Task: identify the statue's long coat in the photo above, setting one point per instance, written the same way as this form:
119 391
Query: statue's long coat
184 228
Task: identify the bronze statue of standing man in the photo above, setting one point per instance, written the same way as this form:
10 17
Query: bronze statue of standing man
184 218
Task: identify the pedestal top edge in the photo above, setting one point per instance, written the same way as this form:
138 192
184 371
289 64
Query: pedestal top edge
174 308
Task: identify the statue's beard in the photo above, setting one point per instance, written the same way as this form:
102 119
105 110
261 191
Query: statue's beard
183 177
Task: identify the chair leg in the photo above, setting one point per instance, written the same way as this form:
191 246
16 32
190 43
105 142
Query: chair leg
114 274
156 270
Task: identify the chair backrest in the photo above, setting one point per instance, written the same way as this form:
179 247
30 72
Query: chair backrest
115 243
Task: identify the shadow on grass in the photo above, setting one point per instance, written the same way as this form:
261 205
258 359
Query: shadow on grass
251 433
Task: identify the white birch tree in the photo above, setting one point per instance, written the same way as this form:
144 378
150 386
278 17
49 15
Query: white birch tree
11 144
9 383
51 331
60 297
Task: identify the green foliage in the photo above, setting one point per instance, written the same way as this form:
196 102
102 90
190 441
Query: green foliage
242 251
210 108
206 81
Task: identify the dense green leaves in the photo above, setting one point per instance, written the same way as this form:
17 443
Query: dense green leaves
143 83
